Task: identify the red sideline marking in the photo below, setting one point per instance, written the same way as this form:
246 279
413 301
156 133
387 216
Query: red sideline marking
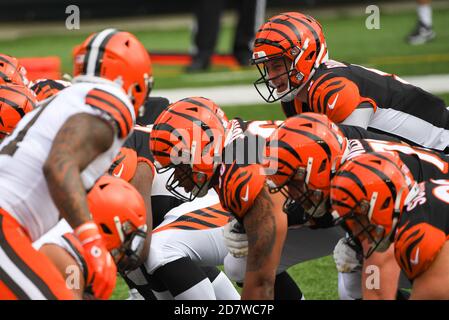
42 67
163 58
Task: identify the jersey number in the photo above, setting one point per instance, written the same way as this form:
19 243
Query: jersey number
433 159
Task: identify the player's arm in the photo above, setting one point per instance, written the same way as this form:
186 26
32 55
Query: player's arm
339 98
79 141
380 275
67 266
266 228
143 181
434 282
361 116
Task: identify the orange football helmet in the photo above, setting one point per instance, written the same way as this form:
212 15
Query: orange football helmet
189 137
119 211
117 56
15 102
295 39
303 153
11 72
368 194
46 88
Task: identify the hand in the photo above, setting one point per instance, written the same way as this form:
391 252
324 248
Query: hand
235 239
345 257
102 272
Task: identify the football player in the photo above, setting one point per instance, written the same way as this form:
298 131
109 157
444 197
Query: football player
174 246
15 101
56 153
377 198
194 138
306 150
119 211
291 54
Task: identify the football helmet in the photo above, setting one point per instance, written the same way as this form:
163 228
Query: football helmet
46 88
15 101
119 211
302 154
117 56
367 196
11 72
189 137
288 49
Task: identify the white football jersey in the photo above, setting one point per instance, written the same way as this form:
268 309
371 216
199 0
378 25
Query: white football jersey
25 194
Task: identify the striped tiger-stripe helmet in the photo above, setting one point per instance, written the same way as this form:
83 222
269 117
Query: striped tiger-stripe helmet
11 71
15 101
189 137
302 155
117 56
367 195
295 39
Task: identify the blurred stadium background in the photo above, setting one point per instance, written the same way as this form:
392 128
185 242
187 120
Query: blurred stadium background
31 28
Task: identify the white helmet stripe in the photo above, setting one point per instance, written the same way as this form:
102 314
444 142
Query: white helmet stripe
94 50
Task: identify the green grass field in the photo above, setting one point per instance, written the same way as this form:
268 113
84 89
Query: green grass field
348 40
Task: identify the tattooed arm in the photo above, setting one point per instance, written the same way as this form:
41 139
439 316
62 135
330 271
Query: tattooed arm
143 181
79 141
266 227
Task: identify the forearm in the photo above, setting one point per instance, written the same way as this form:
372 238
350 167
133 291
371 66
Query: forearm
67 190
266 226
80 140
380 276
142 181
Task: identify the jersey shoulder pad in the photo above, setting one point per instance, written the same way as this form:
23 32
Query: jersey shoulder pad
117 108
239 186
334 95
124 164
417 246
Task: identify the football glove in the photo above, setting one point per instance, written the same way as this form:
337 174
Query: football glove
102 272
346 258
236 239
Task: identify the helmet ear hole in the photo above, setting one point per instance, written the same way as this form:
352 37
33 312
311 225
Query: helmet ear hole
310 56
307 125
105 228
386 203
102 186
322 166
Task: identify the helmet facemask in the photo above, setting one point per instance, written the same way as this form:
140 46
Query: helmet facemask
359 224
183 177
265 85
298 194
127 256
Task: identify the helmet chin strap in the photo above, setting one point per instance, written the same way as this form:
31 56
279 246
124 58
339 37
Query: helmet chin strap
202 191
